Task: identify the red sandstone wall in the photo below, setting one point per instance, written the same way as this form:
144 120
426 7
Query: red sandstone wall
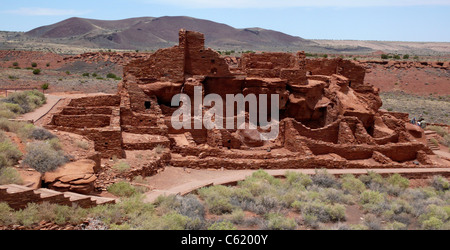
96 101
352 70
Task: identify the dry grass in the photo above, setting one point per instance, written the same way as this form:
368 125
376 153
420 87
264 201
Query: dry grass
432 109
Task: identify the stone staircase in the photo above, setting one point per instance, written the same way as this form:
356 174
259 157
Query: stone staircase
18 197
431 136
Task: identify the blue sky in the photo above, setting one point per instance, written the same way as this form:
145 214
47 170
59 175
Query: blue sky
386 20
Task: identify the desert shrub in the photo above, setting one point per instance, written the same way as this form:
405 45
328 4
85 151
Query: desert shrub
352 185
373 201
10 176
215 191
43 157
406 57
33 64
323 212
28 216
191 207
54 143
82 144
41 134
6 213
311 220
15 64
440 183
371 197
9 154
121 166
159 149
122 189
384 56
219 205
323 179
86 74
432 223
372 222
301 179
440 212
222 225
396 226
36 71
277 221
188 206
13 107
5 112
111 75
27 100
174 221
237 216
372 180
45 86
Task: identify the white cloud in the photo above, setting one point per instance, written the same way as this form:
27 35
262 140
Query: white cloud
46 12
295 3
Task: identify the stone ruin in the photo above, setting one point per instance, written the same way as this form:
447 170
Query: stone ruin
329 118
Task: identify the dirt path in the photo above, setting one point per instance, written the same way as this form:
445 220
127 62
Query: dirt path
179 181
52 100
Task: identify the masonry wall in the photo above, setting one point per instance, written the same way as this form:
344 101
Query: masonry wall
96 101
352 70
201 61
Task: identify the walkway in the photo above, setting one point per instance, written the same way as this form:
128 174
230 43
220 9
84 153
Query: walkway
52 100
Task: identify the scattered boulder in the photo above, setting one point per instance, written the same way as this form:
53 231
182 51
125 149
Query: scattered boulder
76 176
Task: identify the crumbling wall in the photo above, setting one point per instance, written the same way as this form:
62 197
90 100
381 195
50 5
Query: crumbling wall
352 70
276 65
201 61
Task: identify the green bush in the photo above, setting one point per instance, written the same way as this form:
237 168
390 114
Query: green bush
15 64
111 75
174 221
277 221
41 134
323 179
122 189
301 179
43 157
33 64
440 183
121 166
352 185
222 225
44 86
323 212
36 71
371 197
10 176
396 226
6 213
398 180
432 223
27 100
9 154
219 205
